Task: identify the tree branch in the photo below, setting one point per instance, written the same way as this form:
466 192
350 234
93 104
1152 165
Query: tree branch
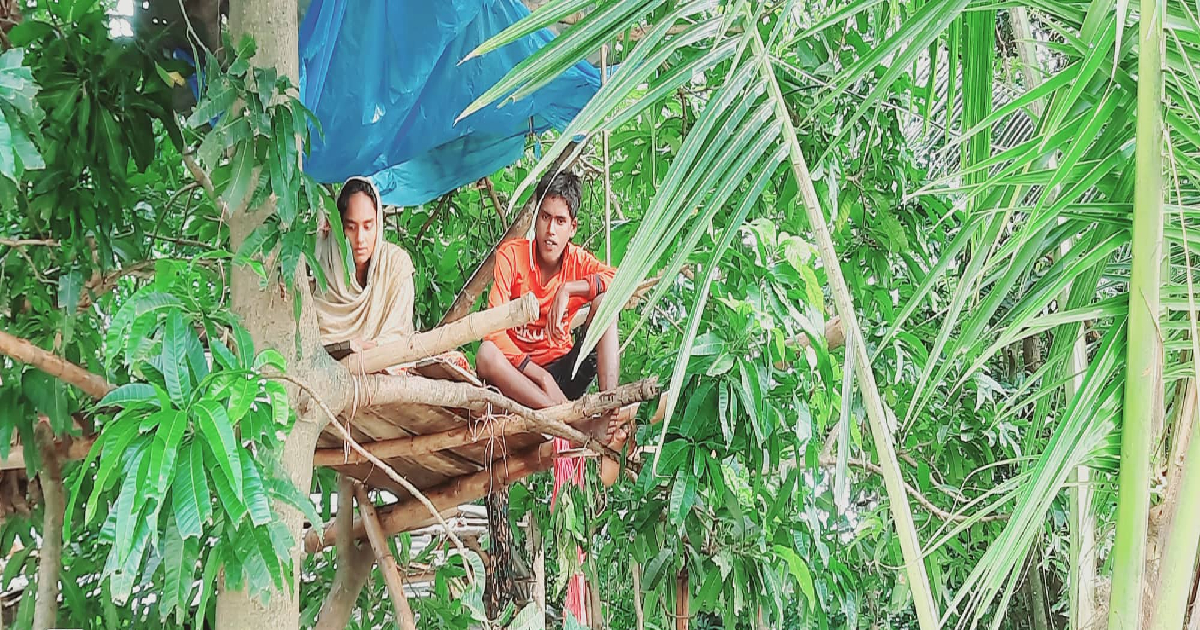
205 182
427 344
830 462
410 514
491 190
385 559
28 242
21 350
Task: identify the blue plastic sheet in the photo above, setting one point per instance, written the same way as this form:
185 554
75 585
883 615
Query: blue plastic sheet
384 79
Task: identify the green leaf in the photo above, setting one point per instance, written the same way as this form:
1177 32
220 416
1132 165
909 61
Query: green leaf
218 436
241 176
179 556
174 358
130 394
800 573
256 495
191 501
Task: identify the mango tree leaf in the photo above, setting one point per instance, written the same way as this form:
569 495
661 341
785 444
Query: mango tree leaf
174 357
191 501
217 431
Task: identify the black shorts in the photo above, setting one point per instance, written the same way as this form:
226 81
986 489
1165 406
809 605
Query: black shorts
560 370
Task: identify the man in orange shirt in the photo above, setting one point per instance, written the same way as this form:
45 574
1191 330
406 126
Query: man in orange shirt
532 364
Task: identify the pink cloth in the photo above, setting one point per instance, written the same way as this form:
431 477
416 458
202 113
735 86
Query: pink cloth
570 470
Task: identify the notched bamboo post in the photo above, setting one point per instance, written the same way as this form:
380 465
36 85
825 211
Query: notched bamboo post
473 327
385 559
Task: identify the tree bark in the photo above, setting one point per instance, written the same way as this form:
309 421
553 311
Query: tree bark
45 614
354 563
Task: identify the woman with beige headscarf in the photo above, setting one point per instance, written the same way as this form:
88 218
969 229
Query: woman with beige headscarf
373 304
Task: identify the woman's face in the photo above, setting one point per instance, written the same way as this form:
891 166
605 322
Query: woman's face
360 225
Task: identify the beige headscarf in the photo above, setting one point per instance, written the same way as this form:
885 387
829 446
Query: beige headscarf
381 311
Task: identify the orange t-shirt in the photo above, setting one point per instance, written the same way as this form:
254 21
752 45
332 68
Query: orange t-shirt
516 273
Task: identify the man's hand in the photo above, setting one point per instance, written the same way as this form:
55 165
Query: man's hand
558 313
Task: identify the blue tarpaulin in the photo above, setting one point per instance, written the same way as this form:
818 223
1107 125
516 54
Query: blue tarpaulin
384 79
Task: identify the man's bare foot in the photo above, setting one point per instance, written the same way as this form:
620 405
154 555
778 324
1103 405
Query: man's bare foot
620 425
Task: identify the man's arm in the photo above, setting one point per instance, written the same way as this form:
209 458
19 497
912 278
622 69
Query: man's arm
504 275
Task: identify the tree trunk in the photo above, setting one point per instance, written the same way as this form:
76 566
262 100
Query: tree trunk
500 589
682 593
267 315
45 614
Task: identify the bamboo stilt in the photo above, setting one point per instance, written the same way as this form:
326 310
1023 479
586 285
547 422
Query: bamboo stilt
385 559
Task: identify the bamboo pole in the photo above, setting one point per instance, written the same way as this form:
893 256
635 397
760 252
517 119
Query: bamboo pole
1144 359
1175 577
918 579
682 592
385 559
473 327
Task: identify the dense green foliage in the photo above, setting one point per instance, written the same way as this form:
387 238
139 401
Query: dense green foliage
973 267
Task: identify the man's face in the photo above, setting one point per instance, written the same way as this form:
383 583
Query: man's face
360 226
554 229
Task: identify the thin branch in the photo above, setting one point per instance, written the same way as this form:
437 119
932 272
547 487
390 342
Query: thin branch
22 350
380 464
353 564
829 462
491 190
28 242
205 181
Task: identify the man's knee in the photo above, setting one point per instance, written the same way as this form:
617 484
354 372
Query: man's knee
485 359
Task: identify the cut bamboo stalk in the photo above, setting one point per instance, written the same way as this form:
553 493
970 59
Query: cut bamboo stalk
384 558
427 344
1144 358
682 593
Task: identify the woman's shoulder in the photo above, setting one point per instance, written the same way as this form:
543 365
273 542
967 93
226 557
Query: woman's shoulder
399 257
